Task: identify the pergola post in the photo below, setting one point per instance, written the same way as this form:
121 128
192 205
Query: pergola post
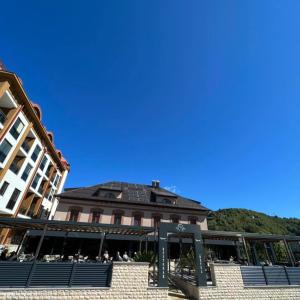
21 243
40 243
272 252
140 245
146 245
246 250
289 252
267 252
255 257
238 251
101 244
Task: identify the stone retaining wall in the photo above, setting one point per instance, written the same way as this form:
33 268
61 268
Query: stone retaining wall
129 281
228 284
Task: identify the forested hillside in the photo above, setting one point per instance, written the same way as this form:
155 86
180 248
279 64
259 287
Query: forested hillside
235 219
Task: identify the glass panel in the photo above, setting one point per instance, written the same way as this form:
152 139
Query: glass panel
4 188
4 150
17 128
13 199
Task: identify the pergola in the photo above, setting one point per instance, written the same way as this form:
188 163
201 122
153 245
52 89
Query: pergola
252 238
66 226
47 226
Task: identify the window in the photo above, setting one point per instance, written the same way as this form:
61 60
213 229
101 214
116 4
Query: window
16 164
137 220
36 153
175 219
193 220
2 117
74 214
36 180
26 146
13 199
16 129
4 150
96 214
166 201
156 221
118 219
26 172
43 163
56 180
110 195
4 188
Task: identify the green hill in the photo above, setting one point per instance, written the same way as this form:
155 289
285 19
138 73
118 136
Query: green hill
235 219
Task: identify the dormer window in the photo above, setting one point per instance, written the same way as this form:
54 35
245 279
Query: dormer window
110 195
166 201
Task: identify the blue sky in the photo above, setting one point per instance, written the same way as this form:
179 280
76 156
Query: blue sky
202 95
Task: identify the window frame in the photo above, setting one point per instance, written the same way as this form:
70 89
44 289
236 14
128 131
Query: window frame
13 130
3 154
3 188
13 199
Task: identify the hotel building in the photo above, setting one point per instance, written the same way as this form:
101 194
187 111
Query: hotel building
122 203
32 171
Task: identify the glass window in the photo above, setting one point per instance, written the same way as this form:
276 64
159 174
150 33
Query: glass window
56 180
4 188
36 180
16 164
175 219
13 199
193 221
137 220
110 195
26 145
74 214
118 219
43 163
156 221
4 150
26 172
96 216
17 128
2 117
36 153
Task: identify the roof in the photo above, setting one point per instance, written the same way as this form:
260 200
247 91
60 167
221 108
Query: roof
131 193
67 226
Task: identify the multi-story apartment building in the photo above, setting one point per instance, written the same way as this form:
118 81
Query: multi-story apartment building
129 204
32 171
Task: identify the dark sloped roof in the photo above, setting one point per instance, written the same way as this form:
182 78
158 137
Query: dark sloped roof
135 193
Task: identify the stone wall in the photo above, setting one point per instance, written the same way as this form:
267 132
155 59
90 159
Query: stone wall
129 281
228 284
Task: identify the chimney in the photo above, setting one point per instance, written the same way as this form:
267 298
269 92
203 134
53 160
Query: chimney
155 183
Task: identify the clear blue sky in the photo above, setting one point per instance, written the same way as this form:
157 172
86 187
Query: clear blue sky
203 95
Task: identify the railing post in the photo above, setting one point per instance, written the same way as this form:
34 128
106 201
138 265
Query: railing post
72 274
287 275
265 276
37 251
